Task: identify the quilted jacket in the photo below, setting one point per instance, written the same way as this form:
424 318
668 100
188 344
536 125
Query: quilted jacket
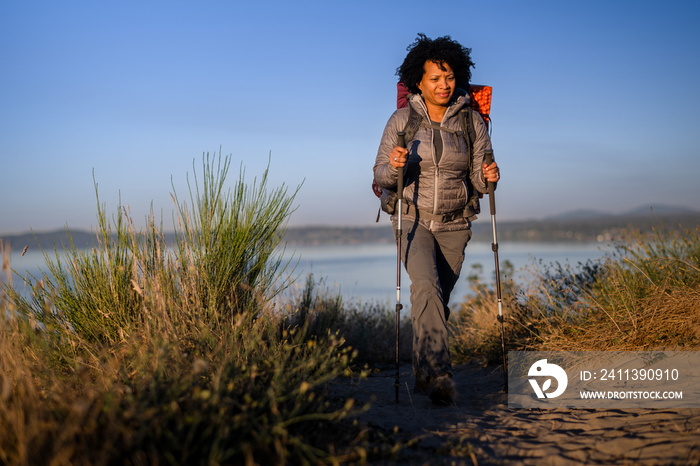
431 186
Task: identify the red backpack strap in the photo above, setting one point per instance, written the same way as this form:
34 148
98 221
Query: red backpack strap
402 95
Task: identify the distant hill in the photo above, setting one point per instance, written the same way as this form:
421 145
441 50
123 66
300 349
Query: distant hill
591 228
576 226
661 210
340 235
580 214
295 236
587 214
49 239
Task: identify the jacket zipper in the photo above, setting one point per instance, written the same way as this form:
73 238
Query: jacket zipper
437 169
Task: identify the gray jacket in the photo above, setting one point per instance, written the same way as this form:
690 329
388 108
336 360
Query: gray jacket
437 188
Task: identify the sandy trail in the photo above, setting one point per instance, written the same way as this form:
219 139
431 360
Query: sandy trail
481 429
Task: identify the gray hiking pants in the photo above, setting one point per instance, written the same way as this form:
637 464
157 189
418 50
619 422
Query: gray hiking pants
433 261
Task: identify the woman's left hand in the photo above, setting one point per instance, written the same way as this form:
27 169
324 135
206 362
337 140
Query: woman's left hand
491 172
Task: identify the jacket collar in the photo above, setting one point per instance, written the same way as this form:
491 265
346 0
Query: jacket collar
459 100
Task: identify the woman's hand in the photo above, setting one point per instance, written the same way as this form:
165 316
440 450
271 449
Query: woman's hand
398 157
491 172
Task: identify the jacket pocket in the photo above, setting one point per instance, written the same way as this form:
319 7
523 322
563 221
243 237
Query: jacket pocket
464 192
388 201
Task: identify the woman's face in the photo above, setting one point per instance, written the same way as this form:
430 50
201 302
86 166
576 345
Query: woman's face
437 84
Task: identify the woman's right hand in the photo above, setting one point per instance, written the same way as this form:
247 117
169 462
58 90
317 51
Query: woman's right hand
398 157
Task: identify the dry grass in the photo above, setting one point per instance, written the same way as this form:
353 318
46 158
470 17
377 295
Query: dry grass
138 352
141 352
645 296
369 329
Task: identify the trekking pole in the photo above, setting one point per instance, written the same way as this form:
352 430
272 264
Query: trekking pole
488 158
399 231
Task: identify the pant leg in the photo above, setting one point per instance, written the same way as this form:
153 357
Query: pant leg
450 257
433 263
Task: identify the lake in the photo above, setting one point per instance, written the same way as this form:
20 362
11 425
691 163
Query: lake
367 273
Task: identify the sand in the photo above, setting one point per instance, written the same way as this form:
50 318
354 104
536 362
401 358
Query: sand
480 428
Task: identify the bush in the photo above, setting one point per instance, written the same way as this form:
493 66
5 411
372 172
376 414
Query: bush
138 351
644 296
368 329
475 330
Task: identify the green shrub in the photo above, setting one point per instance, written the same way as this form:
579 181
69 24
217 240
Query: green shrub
138 352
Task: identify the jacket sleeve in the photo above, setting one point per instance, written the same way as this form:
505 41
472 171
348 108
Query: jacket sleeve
481 145
385 175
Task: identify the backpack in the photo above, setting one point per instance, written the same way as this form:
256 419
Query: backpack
480 102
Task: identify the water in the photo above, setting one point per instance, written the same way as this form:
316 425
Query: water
367 273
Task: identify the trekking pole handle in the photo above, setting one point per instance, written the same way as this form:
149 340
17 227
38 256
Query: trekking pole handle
490 186
401 142
488 157
401 136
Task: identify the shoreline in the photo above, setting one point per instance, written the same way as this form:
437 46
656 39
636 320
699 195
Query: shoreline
575 231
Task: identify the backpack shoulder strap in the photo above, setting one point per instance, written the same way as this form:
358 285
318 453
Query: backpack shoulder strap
415 121
439 127
412 124
466 117
469 133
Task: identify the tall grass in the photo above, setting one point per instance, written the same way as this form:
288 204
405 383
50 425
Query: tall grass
369 328
235 266
223 262
646 295
474 328
139 352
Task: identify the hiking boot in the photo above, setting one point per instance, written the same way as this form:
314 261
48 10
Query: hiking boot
442 391
422 385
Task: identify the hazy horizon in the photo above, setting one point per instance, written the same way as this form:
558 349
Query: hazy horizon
483 218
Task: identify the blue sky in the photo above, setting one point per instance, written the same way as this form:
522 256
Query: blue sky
596 103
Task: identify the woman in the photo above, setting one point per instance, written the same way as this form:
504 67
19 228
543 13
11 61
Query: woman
439 192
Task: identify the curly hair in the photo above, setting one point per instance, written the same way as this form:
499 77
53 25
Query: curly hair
441 50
